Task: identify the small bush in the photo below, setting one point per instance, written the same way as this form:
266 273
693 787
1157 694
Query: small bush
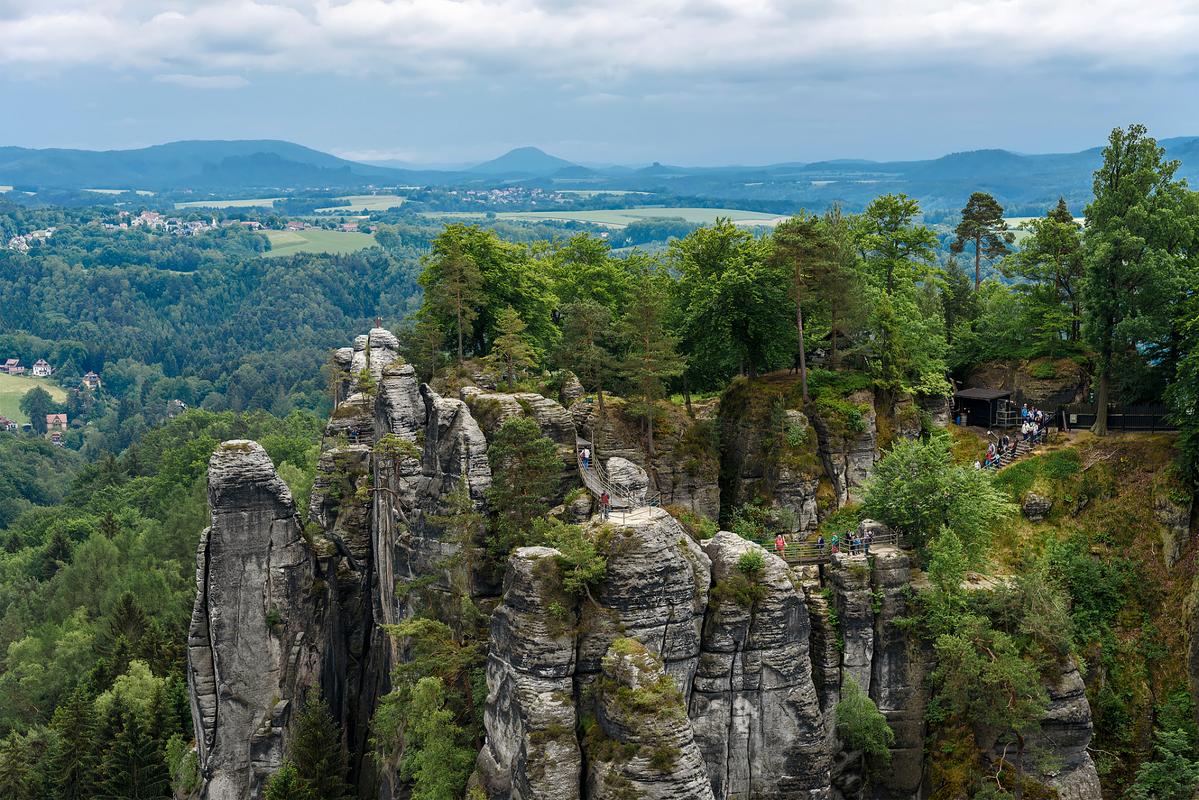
751 563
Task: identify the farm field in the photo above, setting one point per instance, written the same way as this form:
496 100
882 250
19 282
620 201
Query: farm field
367 202
622 217
252 202
287 243
14 387
142 192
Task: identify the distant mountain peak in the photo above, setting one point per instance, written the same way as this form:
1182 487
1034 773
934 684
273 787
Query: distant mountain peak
523 161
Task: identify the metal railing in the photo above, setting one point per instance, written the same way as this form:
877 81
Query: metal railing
597 481
809 552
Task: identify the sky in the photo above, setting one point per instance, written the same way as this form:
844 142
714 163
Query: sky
609 81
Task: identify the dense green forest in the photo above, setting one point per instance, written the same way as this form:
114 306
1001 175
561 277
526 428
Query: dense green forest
98 539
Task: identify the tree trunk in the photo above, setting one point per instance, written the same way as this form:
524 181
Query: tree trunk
649 433
832 313
803 356
599 425
687 396
1100 426
1018 789
459 334
978 261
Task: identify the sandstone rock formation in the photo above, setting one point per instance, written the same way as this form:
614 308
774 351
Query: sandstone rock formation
531 749
754 706
255 644
640 744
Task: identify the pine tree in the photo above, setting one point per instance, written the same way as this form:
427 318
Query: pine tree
804 245
510 351
71 760
983 226
587 334
134 765
650 357
15 780
453 283
526 468
286 784
317 752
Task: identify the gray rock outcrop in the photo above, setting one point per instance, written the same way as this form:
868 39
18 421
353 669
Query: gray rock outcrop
641 745
628 478
849 452
531 750
254 644
1035 507
754 706
655 591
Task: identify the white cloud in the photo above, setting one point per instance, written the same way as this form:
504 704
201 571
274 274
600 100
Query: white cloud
204 81
590 43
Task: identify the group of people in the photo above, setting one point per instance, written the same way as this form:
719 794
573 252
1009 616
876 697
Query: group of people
1033 429
1033 425
857 544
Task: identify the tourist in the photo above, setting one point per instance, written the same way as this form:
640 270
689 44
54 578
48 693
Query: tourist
820 544
780 545
586 458
834 542
1024 412
1025 429
605 505
795 363
866 540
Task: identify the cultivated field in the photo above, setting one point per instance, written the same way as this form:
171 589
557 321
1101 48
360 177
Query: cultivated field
622 217
142 192
367 202
286 243
14 387
252 202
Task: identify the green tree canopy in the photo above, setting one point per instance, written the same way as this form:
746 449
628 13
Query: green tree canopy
918 490
984 227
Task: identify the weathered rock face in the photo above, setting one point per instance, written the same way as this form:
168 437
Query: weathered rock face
1174 513
1065 734
848 451
255 644
493 409
1067 382
641 745
685 470
531 749
754 706
656 591
628 477
897 673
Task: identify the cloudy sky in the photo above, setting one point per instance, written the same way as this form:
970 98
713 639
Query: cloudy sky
606 81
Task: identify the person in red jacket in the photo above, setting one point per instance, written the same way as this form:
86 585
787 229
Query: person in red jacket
780 545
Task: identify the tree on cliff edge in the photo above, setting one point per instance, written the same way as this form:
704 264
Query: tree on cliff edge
453 285
1132 277
983 226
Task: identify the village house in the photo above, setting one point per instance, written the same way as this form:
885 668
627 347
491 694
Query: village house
8 426
175 408
41 369
56 423
91 380
10 365
296 225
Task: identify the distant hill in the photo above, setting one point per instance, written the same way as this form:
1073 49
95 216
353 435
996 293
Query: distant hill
1023 183
523 162
192 165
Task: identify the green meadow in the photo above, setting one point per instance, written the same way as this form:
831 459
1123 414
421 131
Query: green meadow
287 243
14 387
